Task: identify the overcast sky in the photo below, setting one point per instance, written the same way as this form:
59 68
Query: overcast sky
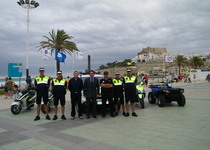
108 30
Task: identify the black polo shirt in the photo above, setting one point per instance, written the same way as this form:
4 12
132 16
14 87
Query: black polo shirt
130 86
42 87
106 90
59 89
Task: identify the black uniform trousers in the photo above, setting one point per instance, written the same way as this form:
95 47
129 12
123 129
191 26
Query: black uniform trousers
92 101
109 97
76 100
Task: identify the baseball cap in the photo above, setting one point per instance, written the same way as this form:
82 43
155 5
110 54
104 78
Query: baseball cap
41 69
59 72
128 70
106 72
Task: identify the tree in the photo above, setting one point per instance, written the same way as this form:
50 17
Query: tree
102 67
180 61
196 61
124 63
59 41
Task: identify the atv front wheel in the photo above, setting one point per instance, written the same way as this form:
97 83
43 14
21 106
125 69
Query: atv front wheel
151 98
161 101
181 101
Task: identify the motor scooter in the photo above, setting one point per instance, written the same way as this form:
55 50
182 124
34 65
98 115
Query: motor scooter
24 100
140 93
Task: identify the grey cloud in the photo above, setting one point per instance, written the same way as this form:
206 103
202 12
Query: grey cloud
107 30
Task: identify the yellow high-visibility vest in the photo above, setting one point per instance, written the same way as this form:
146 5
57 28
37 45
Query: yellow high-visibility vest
130 79
40 80
117 82
59 82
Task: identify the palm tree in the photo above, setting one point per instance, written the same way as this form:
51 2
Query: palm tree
59 41
196 61
180 61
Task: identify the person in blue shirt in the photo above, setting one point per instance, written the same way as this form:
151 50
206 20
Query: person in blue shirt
29 81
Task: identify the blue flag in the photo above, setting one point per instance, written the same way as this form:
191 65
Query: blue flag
60 56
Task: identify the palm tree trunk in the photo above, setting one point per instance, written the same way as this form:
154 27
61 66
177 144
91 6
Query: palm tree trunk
179 69
57 65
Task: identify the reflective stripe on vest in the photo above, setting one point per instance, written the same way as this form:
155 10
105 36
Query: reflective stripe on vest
130 79
57 82
43 80
117 82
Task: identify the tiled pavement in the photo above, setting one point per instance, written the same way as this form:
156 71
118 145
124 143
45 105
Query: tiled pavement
168 128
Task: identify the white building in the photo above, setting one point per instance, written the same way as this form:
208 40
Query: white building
150 55
157 55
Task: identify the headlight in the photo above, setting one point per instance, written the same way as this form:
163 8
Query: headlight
169 84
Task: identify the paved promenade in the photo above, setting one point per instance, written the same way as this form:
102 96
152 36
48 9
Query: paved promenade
168 128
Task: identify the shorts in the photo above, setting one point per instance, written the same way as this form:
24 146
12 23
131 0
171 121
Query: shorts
10 90
130 96
118 98
41 95
5 89
60 97
146 81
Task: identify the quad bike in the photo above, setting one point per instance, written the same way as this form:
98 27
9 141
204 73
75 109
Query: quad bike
164 93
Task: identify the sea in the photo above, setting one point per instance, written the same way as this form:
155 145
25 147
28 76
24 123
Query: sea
18 81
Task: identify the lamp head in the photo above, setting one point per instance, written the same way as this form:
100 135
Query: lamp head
27 1
36 4
33 2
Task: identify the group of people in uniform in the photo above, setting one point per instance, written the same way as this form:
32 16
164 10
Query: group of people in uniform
112 90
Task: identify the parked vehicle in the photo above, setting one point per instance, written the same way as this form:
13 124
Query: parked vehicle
24 99
164 93
98 99
140 93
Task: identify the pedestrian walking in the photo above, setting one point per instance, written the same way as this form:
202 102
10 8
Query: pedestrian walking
59 86
129 82
68 80
146 79
208 77
176 78
107 94
5 88
180 78
10 87
75 87
194 78
29 81
189 78
118 94
42 84
91 91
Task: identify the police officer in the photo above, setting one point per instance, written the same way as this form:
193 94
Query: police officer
107 94
118 93
59 86
42 84
129 82
76 86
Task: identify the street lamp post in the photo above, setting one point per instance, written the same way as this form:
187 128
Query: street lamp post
28 5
